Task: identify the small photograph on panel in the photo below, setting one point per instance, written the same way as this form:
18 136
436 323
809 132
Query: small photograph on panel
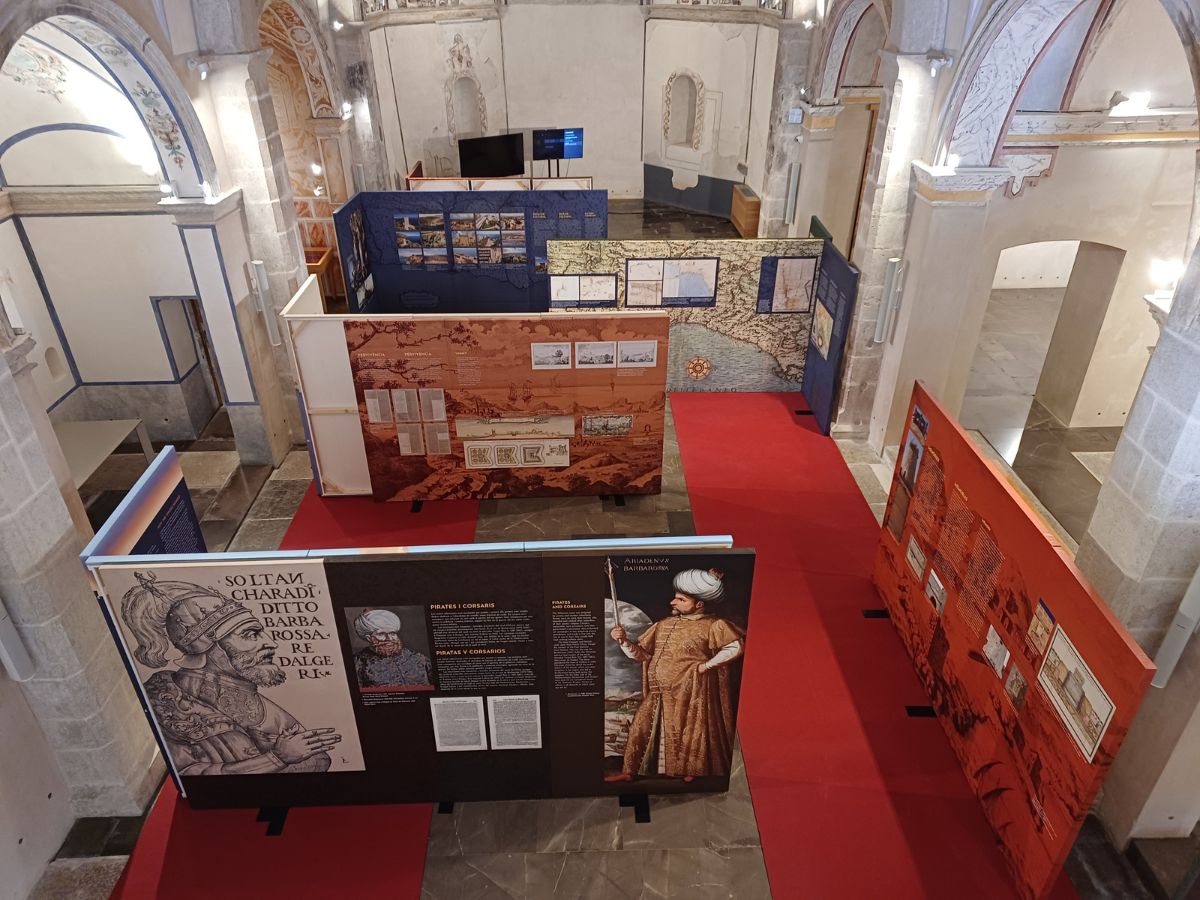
643 293
607 426
515 256
512 239
462 221
436 257
1016 686
1081 702
431 221
995 651
690 278
910 461
541 264
795 281
411 439
433 404
487 221
822 329
437 439
487 239
404 402
433 239
598 288
915 556
480 456
390 647
408 222
1040 627
462 239
644 270
464 257
406 240
637 354
379 407
490 256
920 422
596 354
512 221
564 288
936 592
551 356
411 259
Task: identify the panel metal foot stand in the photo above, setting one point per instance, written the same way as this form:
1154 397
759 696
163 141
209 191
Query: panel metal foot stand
804 412
446 808
417 506
640 804
275 817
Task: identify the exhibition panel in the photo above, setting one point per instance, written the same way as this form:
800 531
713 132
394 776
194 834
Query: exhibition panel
1033 678
741 310
511 406
438 673
459 250
832 308
452 407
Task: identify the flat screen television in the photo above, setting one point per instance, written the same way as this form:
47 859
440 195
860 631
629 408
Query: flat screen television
558 143
492 157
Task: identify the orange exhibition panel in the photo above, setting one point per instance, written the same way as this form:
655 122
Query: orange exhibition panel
1032 677
518 405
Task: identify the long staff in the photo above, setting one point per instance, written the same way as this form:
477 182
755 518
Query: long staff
612 589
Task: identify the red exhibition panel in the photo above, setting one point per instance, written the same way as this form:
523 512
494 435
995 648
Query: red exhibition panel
1033 678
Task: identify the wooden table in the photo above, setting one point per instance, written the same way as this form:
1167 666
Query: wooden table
86 445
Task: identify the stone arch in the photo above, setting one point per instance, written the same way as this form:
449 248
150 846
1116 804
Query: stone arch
844 23
145 75
292 20
998 60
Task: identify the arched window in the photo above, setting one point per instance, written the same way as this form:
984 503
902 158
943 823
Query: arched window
683 113
54 363
465 103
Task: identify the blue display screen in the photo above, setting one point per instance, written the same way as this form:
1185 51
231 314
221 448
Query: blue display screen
572 143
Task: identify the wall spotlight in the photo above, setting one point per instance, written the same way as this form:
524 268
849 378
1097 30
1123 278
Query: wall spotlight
937 61
808 24
194 64
316 168
338 24
166 189
347 109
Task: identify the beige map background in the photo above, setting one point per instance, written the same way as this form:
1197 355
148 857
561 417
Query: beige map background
746 350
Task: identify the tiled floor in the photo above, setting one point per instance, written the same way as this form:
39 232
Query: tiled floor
630 220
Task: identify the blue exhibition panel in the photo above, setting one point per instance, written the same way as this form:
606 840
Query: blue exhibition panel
837 286
459 251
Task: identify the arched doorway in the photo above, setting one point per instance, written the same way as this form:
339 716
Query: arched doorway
314 134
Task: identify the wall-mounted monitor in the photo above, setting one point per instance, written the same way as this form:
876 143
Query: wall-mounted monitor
492 157
558 143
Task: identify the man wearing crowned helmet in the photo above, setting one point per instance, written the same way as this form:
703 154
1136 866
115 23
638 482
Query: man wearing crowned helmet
684 726
211 713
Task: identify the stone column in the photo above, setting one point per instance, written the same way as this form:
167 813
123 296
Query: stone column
942 258
215 241
1141 550
816 156
905 114
791 74
255 162
79 692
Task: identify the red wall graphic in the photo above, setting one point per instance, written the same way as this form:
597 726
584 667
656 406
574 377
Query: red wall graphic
1032 677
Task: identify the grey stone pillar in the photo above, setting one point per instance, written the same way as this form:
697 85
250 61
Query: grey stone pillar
80 692
1141 550
791 74
255 162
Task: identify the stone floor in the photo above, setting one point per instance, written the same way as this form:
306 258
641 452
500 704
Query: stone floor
630 220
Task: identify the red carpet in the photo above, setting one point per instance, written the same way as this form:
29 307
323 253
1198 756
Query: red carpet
337 522
854 798
323 852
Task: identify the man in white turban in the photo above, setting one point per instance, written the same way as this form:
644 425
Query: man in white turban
685 723
385 662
